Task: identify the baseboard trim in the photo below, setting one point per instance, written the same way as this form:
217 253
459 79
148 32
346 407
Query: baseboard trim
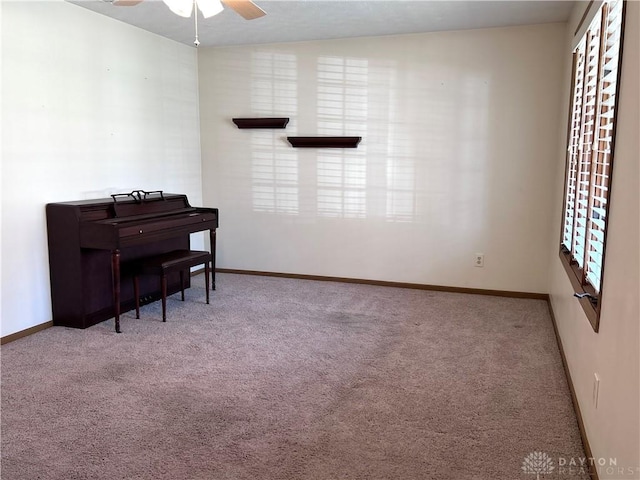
26 332
384 283
593 473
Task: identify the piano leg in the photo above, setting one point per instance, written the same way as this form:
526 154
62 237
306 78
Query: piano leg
115 277
212 238
206 280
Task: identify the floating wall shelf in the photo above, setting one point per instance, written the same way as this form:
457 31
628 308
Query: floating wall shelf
324 142
280 122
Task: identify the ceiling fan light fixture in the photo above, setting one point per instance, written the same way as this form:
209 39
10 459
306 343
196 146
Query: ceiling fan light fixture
209 8
182 8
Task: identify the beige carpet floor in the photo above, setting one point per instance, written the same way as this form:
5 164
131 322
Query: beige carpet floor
292 379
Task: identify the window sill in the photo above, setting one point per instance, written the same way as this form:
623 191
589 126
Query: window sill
591 311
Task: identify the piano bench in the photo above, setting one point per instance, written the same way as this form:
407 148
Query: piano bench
165 263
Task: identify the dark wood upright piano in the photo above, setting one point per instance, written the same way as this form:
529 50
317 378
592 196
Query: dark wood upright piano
92 241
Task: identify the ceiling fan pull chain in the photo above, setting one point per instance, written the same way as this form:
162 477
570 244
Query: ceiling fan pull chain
196 42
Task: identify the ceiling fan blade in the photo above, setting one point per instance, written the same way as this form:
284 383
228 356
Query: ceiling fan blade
245 8
126 3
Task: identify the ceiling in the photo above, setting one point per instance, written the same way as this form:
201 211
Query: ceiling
302 20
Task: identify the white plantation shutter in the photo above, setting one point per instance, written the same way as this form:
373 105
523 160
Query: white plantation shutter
574 147
590 145
603 141
589 95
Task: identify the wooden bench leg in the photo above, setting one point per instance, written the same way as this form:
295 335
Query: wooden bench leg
182 284
136 293
212 239
206 280
163 287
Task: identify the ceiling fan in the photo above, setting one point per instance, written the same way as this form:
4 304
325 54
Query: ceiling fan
245 8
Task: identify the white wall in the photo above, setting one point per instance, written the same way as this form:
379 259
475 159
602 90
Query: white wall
613 428
459 136
90 106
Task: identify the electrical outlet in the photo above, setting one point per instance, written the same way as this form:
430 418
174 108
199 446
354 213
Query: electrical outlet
596 389
479 260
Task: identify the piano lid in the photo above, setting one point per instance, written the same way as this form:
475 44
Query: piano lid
96 209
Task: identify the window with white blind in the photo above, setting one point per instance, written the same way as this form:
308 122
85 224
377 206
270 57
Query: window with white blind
590 142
